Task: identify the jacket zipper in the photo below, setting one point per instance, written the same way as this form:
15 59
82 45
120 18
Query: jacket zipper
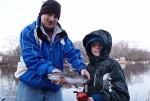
51 52
94 80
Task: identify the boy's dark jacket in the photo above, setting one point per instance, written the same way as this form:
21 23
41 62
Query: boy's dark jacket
107 78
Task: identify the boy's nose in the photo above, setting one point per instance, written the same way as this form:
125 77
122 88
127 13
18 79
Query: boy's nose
97 46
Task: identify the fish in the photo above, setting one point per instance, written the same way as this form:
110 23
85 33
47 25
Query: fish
69 78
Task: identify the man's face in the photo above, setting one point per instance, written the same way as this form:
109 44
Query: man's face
96 48
49 21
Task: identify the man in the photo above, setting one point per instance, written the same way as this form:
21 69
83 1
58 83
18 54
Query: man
44 45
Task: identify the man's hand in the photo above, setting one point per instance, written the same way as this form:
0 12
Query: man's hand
61 81
85 73
56 70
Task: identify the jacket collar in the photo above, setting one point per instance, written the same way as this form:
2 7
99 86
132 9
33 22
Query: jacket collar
57 30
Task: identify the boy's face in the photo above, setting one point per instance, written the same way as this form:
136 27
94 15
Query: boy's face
96 48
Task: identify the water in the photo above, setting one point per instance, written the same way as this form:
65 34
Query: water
137 77
138 81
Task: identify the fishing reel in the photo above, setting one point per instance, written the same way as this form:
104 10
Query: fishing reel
81 96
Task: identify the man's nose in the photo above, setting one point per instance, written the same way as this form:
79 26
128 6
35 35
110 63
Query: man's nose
52 18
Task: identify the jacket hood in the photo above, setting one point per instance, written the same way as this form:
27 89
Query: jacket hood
105 40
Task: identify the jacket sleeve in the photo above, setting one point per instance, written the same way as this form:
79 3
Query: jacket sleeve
117 90
73 56
33 55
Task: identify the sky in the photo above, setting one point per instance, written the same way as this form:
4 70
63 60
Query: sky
127 20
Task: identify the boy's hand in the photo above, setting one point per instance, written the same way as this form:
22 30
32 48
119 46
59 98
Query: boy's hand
84 72
90 99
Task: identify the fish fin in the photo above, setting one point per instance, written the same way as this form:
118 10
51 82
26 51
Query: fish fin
76 85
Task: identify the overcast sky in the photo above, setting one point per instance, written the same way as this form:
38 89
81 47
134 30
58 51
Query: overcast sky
127 20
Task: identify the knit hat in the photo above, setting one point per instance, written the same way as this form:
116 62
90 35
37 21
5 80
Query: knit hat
92 40
51 6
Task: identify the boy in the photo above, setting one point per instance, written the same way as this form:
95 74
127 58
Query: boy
107 78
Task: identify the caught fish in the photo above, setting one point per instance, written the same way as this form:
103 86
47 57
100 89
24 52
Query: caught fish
71 79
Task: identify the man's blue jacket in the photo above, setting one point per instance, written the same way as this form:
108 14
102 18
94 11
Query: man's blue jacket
40 55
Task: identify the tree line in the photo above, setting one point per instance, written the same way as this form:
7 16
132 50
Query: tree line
119 49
